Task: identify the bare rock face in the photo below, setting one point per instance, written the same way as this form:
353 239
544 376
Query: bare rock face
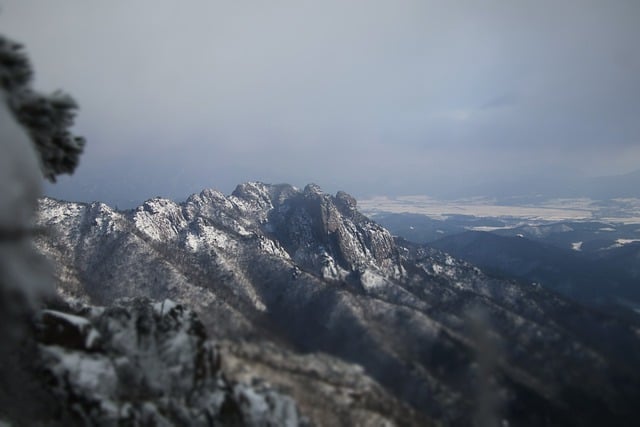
304 271
326 234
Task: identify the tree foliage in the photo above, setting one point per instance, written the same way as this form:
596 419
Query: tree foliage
47 118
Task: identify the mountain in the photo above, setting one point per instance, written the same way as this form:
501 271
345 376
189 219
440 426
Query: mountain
421 228
284 276
599 278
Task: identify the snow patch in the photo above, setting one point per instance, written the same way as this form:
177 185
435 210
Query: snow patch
208 236
91 373
164 307
92 337
621 242
329 268
79 322
371 280
437 268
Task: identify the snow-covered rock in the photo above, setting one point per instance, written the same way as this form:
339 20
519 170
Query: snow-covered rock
140 363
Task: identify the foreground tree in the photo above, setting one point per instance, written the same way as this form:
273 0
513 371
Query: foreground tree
35 141
46 118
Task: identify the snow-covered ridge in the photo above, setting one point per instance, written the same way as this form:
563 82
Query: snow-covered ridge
324 233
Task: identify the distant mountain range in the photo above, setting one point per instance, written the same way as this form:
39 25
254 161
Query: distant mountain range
282 277
596 278
596 263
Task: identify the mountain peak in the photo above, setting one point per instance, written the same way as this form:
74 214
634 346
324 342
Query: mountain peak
313 189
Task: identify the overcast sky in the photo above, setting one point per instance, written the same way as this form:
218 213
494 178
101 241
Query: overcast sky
372 97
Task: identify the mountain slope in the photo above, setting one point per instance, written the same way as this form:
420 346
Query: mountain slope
142 363
307 272
597 278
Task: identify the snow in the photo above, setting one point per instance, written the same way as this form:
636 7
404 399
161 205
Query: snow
448 269
192 242
242 231
329 269
160 219
489 228
553 210
272 247
176 346
254 400
96 311
214 236
90 373
265 407
53 212
164 307
437 268
91 338
79 322
372 281
621 242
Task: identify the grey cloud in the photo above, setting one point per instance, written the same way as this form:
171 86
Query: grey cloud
501 101
366 96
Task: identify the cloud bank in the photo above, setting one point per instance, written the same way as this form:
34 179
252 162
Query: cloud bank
373 97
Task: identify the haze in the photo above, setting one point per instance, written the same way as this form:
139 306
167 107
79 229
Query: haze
372 97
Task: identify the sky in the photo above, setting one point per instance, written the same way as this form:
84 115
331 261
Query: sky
375 97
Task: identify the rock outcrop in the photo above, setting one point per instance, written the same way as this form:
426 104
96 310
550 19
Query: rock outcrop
142 363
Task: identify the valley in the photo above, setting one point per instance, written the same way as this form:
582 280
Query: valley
586 249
